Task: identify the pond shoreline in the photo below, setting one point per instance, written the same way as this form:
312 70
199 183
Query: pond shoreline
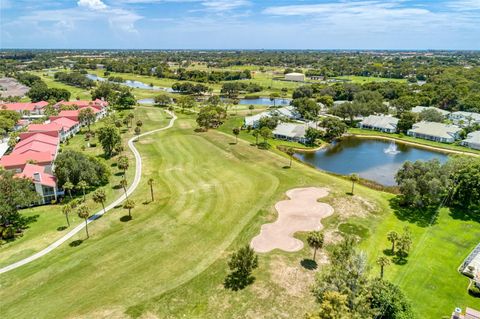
419 145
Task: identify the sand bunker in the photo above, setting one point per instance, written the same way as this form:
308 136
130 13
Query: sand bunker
301 213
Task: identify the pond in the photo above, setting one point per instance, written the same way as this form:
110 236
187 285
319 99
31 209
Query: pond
265 101
131 83
376 160
147 101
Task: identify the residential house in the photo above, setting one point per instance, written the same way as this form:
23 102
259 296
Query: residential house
296 77
468 314
437 132
465 118
70 127
45 183
17 162
472 140
419 109
49 128
286 112
98 106
382 123
294 132
29 110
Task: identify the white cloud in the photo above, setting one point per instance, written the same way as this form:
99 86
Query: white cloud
464 5
96 5
224 5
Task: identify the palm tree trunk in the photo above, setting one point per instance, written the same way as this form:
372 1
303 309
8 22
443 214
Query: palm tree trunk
290 162
68 222
83 194
103 205
381 271
70 193
130 213
314 253
151 191
236 139
353 186
393 246
86 228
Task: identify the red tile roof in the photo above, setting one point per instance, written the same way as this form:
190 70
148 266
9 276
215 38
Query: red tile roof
44 138
23 106
35 146
69 113
50 127
19 160
44 178
66 123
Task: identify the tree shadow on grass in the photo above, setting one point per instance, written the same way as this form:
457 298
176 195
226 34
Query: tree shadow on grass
398 260
465 214
422 217
309 264
388 252
76 243
125 219
286 167
61 228
119 174
236 281
117 186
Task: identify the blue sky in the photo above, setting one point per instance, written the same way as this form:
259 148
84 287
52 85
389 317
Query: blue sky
240 24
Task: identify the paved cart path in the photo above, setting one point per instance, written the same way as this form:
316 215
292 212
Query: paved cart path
131 189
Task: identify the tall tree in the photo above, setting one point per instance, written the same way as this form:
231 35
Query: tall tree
83 186
122 164
129 204
84 212
315 241
392 237
290 152
66 210
236 132
86 116
99 196
150 183
109 137
68 186
241 265
354 178
124 184
383 262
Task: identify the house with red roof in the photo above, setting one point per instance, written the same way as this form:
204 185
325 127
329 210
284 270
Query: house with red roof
49 128
70 127
27 110
17 162
45 183
99 106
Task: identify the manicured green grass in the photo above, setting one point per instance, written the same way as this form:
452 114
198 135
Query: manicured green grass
75 91
430 273
366 79
212 196
402 137
50 222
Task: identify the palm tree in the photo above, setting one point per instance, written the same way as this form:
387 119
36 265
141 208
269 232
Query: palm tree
236 132
129 204
290 153
315 240
251 108
392 236
138 130
100 197
256 133
82 185
383 262
124 184
354 178
150 183
83 212
67 209
122 163
68 186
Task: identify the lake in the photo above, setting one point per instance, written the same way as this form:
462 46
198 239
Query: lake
376 160
131 83
265 101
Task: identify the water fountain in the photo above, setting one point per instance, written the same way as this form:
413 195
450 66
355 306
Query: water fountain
392 149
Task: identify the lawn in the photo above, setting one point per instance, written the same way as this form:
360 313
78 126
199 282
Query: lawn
50 222
212 196
367 79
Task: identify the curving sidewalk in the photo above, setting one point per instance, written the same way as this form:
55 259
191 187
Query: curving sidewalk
131 189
